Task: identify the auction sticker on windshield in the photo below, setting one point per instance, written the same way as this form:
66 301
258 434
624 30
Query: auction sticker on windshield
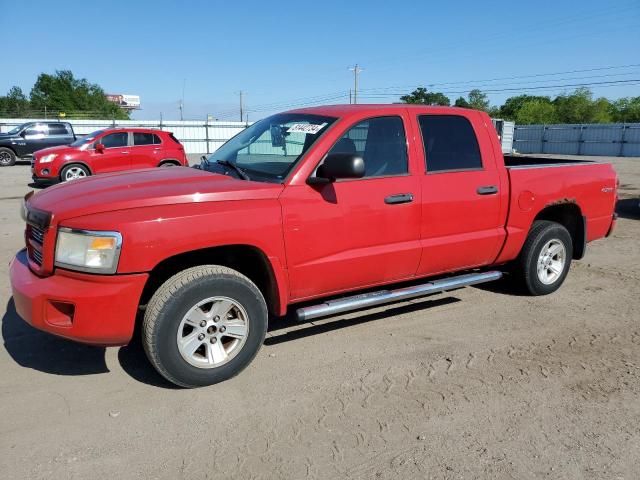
310 128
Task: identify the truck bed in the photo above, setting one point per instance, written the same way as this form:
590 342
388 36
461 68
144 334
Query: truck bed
513 161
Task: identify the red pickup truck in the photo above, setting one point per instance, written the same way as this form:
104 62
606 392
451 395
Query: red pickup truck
300 209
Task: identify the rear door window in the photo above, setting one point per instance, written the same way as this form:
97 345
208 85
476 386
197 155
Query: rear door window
143 138
114 140
450 144
58 129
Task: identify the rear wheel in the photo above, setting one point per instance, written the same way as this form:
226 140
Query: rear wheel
7 157
543 263
204 325
73 172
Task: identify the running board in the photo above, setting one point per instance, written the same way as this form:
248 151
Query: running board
365 300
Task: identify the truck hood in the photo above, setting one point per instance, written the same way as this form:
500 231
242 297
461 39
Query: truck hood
145 188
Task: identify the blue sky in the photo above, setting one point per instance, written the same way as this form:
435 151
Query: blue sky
285 53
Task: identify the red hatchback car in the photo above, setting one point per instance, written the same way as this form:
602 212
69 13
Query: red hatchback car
109 150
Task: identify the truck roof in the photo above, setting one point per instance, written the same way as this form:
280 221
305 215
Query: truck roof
346 109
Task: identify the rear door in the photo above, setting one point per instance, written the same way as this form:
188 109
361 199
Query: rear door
462 198
146 150
116 154
59 134
355 233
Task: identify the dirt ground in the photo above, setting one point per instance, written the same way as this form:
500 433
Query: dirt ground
478 383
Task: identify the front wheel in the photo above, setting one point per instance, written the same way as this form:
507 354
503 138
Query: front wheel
73 172
545 258
204 325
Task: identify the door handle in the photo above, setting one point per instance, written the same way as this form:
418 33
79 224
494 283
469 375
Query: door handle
399 198
487 190
124 153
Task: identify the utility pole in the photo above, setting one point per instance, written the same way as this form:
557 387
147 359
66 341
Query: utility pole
356 70
350 97
241 107
184 80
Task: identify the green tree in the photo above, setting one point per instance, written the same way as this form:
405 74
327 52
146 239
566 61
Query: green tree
461 102
478 100
422 96
577 107
626 110
512 105
14 104
65 93
535 112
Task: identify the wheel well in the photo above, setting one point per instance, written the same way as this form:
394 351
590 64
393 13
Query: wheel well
11 149
570 216
71 164
248 260
169 160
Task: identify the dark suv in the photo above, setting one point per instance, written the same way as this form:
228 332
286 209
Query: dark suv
22 141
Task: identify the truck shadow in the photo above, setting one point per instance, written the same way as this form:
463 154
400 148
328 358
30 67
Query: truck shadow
37 350
628 208
31 348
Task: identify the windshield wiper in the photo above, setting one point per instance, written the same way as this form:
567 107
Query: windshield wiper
235 167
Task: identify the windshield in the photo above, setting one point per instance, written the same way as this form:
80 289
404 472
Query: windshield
270 148
19 128
86 139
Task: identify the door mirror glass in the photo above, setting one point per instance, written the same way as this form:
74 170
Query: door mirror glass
337 166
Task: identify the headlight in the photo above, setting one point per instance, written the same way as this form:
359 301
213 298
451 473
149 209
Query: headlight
88 251
48 158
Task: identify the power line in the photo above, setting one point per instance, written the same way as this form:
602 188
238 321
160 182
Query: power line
516 77
611 83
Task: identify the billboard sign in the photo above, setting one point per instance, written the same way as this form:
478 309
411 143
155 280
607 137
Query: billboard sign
129 102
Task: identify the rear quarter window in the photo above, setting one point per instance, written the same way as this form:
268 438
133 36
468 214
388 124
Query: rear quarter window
450 144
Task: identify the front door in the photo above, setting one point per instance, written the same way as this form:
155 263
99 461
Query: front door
351 234
463 202
115 156
35 138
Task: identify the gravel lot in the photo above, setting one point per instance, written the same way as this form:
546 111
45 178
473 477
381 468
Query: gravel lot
479 383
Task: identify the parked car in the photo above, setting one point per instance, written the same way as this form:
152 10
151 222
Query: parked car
109 150
304 206
22 141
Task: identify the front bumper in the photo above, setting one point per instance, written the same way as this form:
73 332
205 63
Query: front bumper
45 181
94 309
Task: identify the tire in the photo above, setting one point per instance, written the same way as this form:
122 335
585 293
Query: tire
181 348
168 163
7 157
548 246
73 172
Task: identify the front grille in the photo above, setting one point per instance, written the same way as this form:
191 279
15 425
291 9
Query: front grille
37 234
36 256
